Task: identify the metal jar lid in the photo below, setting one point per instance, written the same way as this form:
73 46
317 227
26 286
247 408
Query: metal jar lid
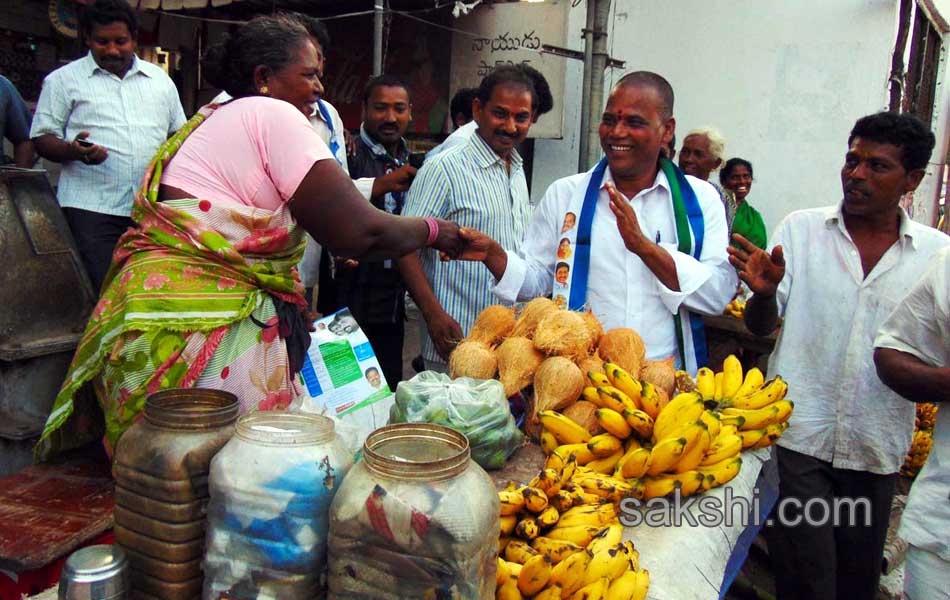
95 573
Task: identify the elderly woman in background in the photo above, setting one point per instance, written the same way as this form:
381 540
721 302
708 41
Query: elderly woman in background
702 153
736 179
203 292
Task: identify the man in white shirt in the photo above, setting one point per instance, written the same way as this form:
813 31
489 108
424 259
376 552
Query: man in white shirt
103 117
650 266
835 273
912 355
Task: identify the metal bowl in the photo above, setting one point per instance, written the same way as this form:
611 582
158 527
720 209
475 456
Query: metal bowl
95 573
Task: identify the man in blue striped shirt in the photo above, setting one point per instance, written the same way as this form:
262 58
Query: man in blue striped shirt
480 185
103 117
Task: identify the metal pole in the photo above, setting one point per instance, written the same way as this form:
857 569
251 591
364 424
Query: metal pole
598 67
582 160
378 37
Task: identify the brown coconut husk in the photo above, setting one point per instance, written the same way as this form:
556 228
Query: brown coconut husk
531 315
582 413
563 333
558 383
594 329
624 347
493 325
472 358
592 364
662 397
660 373
518 361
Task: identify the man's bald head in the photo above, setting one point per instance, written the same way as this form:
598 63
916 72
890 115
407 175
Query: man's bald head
655 82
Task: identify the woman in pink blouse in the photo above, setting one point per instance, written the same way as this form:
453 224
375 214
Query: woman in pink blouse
204 293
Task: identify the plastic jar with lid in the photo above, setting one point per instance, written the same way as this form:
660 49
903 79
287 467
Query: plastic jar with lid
271 489
161 471
415 518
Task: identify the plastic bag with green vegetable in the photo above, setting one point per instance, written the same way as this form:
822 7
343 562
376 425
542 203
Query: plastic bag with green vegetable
475 407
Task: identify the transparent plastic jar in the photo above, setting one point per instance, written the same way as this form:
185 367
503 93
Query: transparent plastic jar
415 518
271 489
161 470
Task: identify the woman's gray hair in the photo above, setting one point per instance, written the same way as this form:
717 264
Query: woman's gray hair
271 42
717 144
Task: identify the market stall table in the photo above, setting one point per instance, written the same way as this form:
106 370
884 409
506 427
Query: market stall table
686 562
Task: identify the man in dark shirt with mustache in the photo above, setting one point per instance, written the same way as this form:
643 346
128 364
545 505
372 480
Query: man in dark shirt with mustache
373 290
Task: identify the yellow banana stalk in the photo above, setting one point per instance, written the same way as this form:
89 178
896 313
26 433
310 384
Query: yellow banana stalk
597 379
592 591
512 501
650 400
552 592
604 445
762 417
577 534
772 392
751 437
556 550
625 382
590 394
772 433
606 538
634 463
518 551
724 471
712 421
623 587
614 399
684 408
527 528
706 383
548 441
721 449
613 422
569 573
608 563
665 455
608 464
508 523
754 379
564 429
640 422
582 455
509 591
502 573
731 376
534 575
693 455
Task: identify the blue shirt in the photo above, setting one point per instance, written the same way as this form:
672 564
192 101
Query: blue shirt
470 185
131 117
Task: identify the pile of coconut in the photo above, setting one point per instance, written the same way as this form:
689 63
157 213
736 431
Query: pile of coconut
552 350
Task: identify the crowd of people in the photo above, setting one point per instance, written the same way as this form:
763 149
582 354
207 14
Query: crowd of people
207 238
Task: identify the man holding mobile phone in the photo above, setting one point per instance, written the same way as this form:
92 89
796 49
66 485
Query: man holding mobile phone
373 290
103 117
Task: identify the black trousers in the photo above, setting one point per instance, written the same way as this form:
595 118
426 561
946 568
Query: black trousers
96 235
386 339
824 561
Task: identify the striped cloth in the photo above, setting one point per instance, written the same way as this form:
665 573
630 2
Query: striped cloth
130 117
470 185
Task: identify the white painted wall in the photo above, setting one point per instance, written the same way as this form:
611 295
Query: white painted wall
784 81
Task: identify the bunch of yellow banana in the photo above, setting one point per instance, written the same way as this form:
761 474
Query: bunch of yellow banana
561 536
736 308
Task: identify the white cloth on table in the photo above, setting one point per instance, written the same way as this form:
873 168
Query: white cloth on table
843 413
